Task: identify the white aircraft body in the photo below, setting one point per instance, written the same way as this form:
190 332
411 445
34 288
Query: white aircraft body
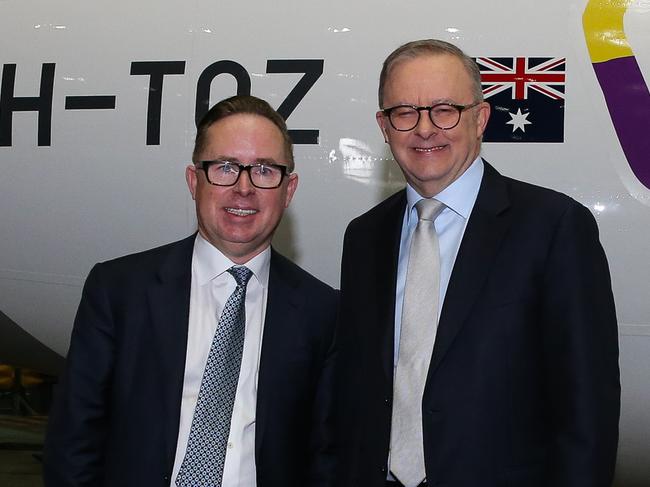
97 119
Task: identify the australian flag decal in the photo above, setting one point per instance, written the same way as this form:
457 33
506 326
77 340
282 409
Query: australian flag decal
527 98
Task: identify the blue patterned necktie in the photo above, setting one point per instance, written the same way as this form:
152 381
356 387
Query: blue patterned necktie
206 446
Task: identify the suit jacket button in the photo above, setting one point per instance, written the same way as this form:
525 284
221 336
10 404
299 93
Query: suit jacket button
387 401
383 469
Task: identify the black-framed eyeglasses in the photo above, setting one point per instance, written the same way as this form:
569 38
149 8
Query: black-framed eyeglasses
226 173
445 116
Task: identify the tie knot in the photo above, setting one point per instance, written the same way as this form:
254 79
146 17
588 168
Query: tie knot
429 209
241 274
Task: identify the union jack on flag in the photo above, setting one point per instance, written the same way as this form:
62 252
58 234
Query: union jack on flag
527 96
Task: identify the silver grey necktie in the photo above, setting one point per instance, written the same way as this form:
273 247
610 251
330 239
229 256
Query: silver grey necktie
417 335
206 446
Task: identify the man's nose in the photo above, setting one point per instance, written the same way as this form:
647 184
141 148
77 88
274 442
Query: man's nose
425 127
244 184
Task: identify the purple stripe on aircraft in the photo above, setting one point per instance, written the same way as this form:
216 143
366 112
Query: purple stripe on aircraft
628 101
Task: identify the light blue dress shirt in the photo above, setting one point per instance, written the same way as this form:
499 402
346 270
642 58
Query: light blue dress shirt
459 198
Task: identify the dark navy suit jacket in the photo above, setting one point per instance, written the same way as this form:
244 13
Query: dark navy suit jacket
116 420
523 386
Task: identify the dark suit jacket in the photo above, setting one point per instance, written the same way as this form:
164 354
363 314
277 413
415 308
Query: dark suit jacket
116 420
523 387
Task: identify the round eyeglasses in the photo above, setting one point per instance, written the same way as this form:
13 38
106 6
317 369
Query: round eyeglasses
226 173
445 116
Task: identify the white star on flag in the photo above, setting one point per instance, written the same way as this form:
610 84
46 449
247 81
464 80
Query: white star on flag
519 120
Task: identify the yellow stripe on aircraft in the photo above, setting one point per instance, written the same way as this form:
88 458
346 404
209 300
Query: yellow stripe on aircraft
602 22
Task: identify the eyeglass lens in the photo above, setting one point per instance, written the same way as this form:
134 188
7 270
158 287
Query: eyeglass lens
261 175
442 116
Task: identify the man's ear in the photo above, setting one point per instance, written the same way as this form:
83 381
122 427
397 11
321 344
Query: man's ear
192 179
291 188
382 121
482 117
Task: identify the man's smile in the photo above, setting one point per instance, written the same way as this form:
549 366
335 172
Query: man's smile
429 149
240 211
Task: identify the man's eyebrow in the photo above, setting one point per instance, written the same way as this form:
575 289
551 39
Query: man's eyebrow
448 101
259 160
223 158
437 101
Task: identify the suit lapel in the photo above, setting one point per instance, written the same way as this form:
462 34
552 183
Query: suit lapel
169 302
488 223
386 244
282 306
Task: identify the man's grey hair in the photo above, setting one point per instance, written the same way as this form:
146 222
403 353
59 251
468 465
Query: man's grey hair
430 47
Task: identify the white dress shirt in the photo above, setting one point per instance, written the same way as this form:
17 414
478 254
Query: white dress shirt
459 198
210 289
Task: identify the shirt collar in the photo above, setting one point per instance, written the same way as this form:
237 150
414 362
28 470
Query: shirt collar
209 262
459 196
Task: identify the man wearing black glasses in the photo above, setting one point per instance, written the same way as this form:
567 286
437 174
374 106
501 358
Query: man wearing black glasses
206 362
478 337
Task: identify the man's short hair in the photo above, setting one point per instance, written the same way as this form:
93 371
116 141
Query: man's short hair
242 104
430 47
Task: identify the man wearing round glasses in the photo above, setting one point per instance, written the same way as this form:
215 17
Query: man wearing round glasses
206 361
478 336
433 118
